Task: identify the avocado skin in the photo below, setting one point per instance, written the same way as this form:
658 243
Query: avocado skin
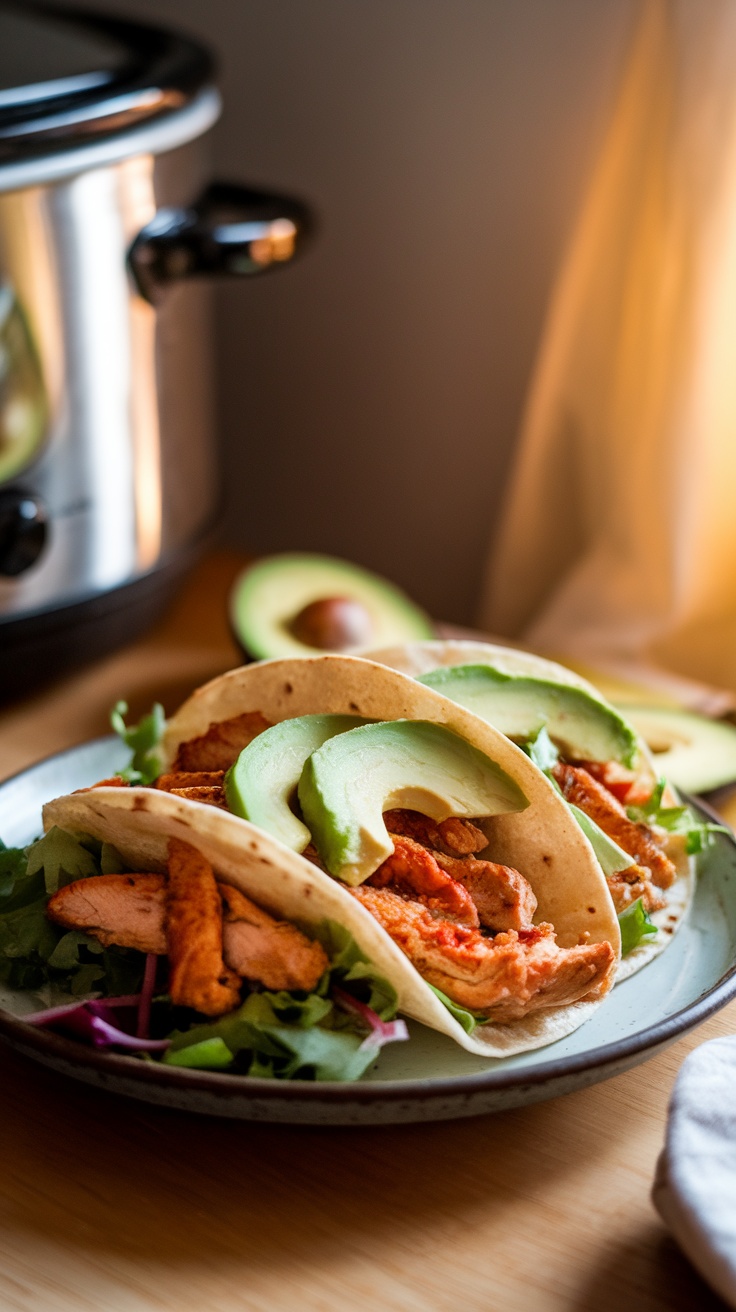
347 784
520 705
267 596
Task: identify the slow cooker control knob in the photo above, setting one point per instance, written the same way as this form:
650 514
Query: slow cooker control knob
23 529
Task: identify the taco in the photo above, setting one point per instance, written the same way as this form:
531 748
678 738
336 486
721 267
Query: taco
494 921
643 836
203 946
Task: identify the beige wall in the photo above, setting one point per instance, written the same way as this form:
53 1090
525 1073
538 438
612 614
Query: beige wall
369 397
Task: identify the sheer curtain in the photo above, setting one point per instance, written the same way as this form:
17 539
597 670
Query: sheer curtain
618 544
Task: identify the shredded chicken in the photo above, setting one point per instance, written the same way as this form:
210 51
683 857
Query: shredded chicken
414 870
503 978
626 886
503 898
198 976
580 788
453 837
221 745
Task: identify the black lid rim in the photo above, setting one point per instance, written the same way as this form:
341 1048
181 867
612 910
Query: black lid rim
161 73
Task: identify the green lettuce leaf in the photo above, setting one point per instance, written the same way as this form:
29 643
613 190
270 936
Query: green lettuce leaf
675 820
635 924
62 858
144 741
469 1020
33 950
542 750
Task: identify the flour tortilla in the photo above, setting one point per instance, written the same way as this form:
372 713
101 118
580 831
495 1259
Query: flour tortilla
418 658
140 821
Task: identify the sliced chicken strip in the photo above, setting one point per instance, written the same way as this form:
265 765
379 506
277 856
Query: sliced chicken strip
221 745
272 951
129 911
198 976
594 799
503 978
190 779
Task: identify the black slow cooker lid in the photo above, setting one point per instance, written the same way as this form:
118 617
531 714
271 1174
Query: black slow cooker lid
69 77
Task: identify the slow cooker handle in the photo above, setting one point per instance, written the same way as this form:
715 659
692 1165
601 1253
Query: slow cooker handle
229 230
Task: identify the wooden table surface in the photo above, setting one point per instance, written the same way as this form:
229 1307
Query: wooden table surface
110 1205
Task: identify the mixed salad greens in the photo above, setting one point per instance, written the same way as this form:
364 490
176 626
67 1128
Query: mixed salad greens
332 1033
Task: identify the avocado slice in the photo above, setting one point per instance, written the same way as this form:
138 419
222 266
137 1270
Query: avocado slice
296 604
695 753
347 784
261 785
519 705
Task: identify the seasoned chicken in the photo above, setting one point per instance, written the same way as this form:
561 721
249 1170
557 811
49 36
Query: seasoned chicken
272 951
190 779
221 745
115 781
412 869
198 976
453 837
503 898
210 796
626 886
127 910
580 788
503 978
627 786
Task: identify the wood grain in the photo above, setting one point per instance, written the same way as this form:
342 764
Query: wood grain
111 1206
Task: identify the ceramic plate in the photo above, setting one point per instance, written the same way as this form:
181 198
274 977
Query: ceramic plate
429 1078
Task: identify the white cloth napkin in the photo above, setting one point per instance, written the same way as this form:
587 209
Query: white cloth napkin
695 1185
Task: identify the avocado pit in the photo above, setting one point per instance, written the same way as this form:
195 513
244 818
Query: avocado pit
333 624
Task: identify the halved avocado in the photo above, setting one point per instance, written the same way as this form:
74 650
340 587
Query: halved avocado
520 706
261 784
695 753
347 785
296 604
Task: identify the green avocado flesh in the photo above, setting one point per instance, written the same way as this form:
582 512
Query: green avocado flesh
267 598
347 784
261 784
695 753
519 706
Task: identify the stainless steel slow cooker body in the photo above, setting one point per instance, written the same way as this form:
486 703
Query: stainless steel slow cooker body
108 232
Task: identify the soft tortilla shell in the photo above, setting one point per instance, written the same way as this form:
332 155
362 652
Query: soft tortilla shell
418 658
140 822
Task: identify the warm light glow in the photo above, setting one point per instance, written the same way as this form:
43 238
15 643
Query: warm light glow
620 535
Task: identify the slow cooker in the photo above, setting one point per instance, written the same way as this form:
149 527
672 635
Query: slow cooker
110 232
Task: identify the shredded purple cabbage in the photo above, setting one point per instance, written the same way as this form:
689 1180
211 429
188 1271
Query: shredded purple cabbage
381 1031
97 1022
144 1006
